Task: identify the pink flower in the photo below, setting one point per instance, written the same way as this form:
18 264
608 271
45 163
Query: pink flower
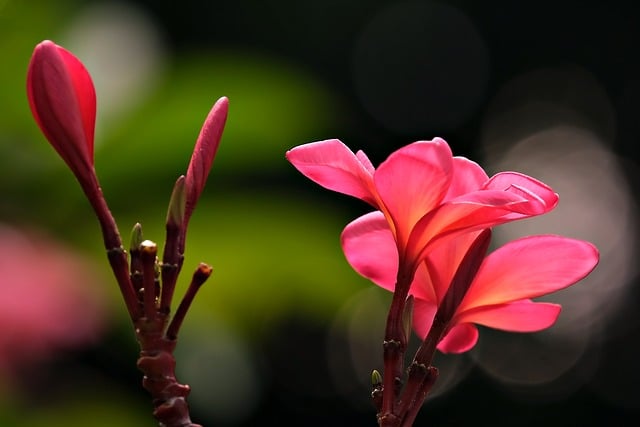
45 303
63 102
500 295
422 192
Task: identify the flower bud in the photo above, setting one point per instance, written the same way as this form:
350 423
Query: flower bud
177 203
204 153
63 102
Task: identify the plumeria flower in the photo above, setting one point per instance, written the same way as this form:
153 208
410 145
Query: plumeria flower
500 296
422 193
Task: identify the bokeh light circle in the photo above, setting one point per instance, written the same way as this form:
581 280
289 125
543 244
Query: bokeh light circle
557 125
123 50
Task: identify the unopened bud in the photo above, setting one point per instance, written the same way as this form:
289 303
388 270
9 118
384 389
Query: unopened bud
136 237
376 378
177 203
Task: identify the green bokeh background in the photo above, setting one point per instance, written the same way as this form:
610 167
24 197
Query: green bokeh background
274 248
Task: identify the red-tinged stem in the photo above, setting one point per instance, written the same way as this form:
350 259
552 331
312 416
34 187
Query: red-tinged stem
173 255
422 375
425 387
158 366
118 261
200 276
394 347
171 266
136 273
112 243
148 252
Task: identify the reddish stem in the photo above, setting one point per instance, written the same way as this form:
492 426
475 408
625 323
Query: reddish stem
421 375
200 276
148 251
394 347
113 244
158 366
171 264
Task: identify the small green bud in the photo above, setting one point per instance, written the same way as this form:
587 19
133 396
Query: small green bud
177 203
136 237
376 378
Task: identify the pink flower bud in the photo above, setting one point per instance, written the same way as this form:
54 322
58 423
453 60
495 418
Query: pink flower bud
63 102
204 153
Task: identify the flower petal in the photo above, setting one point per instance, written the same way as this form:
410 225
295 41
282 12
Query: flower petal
333 165
467 177
530 267
412 181
370 248
460 338
423 313
510 180
517 316
470 212
441 265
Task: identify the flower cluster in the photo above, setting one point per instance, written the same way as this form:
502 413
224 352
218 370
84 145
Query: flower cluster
427 239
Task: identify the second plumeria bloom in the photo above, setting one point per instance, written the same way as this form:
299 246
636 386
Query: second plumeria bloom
422 193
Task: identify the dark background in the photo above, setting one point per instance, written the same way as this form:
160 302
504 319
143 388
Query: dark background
389 93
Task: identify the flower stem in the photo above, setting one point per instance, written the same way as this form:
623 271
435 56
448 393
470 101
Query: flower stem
113 244
394 347
422 375
158 366
201 274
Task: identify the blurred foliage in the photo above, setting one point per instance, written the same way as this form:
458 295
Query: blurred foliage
273 249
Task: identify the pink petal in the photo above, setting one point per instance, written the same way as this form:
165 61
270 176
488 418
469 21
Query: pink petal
425 284
63 102
333 165
370 248
467 177
441 265
530 267
518 316
366 163
469 212
412 181
507 180
423 313
461 338
204 153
